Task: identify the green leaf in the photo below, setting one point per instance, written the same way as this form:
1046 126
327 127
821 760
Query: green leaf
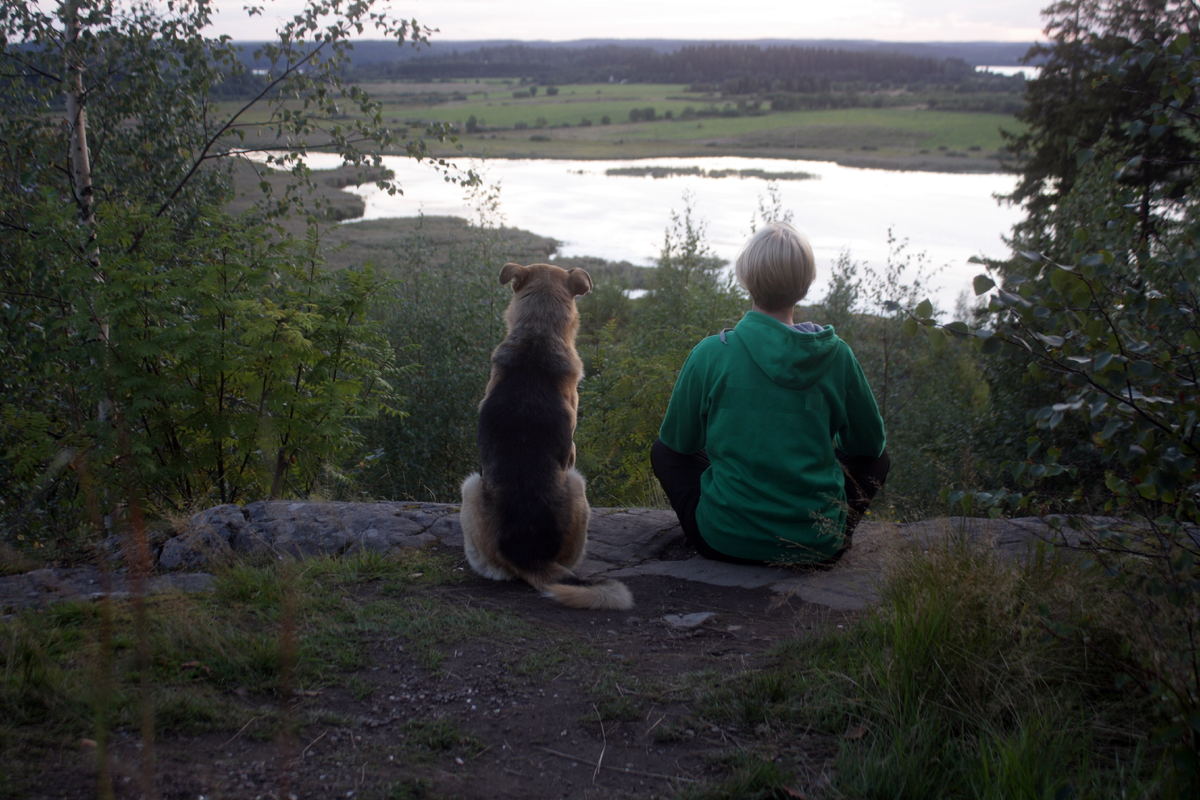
911 326
983 284
925 309
937 339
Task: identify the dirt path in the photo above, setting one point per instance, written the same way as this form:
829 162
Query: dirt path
557 704
462 687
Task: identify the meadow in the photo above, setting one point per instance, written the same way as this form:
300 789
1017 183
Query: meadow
903 132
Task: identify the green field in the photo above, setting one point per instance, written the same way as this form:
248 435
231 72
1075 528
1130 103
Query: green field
901 134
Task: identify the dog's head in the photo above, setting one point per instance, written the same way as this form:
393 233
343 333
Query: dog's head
546 278
544 298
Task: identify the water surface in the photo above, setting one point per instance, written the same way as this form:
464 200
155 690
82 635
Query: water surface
949 217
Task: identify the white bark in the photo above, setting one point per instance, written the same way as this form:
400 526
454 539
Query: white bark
78 156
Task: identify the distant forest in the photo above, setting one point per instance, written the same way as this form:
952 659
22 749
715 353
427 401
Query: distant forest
754 68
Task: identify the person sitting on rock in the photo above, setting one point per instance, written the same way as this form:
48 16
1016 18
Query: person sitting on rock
772 446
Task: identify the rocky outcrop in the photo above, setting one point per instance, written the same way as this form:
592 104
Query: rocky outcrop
617 536
43 587
622 543
302 529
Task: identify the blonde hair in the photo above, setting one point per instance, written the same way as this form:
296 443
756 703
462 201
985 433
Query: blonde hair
776 266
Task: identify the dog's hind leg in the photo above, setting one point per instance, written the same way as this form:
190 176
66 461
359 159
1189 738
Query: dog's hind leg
578 514
479 534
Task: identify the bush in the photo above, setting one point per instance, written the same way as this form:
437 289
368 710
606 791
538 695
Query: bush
585 123
521 94
605 119
150 340
1101 319
933 402
633 353
551 91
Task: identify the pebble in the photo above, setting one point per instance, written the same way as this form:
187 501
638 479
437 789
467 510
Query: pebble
689 620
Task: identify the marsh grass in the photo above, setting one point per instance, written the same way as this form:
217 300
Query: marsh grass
955 687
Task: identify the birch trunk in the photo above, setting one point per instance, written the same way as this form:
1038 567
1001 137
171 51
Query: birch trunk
79 158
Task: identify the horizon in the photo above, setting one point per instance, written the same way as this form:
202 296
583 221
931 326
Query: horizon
543 21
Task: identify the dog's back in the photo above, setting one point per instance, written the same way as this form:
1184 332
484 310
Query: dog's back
526 514
525 451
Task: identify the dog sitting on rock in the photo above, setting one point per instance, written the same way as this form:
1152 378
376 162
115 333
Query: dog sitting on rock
525 513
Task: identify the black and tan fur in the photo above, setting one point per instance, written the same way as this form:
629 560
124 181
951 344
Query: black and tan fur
525 514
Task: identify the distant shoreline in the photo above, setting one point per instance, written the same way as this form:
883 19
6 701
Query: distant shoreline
896 162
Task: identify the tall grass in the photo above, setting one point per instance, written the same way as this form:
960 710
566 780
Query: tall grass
955 686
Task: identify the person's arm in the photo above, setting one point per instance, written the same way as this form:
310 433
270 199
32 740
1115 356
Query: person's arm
684 426
862 434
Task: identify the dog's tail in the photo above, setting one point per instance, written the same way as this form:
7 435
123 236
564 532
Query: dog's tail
594 593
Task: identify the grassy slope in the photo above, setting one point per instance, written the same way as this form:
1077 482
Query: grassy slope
949 689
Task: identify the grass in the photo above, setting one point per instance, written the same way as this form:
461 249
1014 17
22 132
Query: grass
954 688
224 661
205 646
902 129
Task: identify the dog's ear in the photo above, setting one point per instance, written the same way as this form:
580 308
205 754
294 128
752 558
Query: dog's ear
515 273
578 281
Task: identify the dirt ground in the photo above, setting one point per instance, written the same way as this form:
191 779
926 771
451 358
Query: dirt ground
581 704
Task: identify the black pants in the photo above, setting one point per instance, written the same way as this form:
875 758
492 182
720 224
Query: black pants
680 474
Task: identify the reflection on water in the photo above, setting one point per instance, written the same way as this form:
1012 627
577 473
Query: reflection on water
950 217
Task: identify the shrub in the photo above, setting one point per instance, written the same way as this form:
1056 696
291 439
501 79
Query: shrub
605 119
149 339
1101 318
551 90
631 369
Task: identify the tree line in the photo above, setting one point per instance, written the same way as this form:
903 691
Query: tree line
756 68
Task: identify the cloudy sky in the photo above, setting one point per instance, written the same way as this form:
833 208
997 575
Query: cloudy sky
556 20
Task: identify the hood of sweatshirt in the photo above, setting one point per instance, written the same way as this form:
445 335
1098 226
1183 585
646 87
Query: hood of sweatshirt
791 358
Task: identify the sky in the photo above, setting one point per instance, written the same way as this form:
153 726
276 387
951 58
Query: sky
556 20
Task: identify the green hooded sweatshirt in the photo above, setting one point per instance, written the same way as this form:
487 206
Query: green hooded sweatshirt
769 403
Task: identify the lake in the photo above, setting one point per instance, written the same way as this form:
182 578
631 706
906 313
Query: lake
949 217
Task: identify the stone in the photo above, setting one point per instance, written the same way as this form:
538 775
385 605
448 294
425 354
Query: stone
209 534
43 587
620 536
304 529
694 620
622 543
